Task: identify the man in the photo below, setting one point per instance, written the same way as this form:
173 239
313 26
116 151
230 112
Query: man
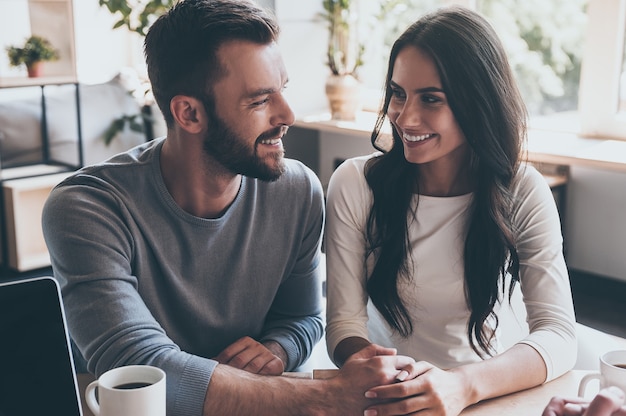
199 253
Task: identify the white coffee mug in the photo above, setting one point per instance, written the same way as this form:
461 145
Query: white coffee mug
134 390
612 372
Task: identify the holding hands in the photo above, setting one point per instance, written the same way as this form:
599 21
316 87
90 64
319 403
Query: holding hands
370 367
420 387
413 387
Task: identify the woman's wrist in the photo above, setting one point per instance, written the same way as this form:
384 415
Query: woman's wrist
347 347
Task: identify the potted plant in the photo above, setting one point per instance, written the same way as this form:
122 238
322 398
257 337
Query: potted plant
33 53
344 55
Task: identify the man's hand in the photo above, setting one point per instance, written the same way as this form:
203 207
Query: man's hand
254 357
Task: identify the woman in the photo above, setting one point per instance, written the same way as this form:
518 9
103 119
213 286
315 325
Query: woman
427 240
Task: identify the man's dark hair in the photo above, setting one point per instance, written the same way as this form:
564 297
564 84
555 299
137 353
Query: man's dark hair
181 46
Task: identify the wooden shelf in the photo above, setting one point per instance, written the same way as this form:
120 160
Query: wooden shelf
51 19
30 170
12 82
26 188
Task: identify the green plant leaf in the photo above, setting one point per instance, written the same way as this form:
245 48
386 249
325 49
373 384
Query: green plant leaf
35 49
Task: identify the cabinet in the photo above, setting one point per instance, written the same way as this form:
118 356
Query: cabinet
23 204
25 186
25 189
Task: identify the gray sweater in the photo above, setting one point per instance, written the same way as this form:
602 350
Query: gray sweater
144 282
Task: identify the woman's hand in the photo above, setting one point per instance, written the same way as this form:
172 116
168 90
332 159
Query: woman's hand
426 389
372 350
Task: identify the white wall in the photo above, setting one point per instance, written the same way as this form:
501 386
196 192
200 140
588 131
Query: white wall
303 43
101 51
595 222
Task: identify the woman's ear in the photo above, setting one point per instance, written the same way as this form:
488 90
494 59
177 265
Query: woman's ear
188 113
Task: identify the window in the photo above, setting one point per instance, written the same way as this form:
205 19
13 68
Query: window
385 20
602 68
544 41
568 55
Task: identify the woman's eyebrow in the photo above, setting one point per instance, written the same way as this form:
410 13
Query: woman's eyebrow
419 90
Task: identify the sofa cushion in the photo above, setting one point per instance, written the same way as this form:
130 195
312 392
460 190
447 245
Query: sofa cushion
100 104
20 132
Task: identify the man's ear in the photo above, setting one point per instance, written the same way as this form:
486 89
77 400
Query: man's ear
188 113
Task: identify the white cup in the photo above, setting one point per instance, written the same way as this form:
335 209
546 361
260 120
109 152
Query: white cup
612 372
134 390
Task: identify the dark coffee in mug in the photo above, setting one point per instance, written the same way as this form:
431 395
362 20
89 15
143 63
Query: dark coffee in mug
620 366
137 390
130 386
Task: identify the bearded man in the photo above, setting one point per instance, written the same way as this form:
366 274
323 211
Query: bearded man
202 247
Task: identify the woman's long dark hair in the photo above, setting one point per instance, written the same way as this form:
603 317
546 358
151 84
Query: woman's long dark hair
482 94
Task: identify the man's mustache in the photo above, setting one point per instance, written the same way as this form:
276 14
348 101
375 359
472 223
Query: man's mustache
275 132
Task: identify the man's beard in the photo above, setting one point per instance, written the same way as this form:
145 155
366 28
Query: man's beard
234 153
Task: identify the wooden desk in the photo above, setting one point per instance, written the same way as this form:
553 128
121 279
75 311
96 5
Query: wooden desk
530 402
83 382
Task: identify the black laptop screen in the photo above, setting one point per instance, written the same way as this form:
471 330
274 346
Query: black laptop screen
36 372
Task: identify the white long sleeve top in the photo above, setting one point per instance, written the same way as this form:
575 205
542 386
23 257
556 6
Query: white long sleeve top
435 294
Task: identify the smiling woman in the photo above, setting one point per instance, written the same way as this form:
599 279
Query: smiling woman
427 241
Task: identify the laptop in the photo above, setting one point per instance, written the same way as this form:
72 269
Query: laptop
37 375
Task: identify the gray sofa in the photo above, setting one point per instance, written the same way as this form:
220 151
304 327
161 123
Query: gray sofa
100 105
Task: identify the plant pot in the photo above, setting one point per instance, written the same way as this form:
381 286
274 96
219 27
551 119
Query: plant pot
35 69
344 96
